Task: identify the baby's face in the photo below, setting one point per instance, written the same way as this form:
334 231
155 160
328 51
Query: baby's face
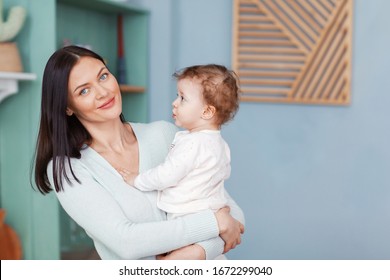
189 105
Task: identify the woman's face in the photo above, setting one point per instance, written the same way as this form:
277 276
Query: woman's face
93 92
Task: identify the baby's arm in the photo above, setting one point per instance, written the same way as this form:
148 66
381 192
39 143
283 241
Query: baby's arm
179 162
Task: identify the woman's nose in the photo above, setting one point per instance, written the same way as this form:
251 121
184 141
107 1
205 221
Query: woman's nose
101 91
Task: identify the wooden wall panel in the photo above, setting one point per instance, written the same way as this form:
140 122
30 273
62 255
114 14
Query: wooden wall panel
293 51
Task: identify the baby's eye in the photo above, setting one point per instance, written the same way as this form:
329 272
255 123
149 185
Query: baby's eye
103 77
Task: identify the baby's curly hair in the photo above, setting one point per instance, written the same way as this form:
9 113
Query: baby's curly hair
221 88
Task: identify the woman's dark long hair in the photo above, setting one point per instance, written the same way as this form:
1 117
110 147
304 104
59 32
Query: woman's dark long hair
60 137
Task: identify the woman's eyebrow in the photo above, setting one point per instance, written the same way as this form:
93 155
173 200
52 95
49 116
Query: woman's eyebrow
101 70
80 87
98 74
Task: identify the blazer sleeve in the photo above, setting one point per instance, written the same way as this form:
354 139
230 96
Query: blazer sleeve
214 246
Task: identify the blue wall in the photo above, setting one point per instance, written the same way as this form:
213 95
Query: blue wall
313 181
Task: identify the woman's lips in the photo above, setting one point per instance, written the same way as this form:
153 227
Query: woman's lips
108 104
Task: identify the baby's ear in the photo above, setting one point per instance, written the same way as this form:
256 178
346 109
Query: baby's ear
208 112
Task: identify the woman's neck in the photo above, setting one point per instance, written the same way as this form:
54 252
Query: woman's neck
112 136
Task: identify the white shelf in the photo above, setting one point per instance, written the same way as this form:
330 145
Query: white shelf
9 82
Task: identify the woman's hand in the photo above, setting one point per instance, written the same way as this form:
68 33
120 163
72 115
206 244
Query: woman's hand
190 252
230 229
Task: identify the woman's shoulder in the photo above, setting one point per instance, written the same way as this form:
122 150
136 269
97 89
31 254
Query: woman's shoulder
154 140
154 125
156 128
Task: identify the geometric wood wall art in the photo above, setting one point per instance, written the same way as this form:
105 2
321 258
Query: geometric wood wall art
293 51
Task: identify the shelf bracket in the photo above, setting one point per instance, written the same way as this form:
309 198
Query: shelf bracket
9 82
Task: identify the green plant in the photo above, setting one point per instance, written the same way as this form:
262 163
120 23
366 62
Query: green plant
11 27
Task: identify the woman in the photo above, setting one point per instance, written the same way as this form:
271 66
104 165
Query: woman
83 140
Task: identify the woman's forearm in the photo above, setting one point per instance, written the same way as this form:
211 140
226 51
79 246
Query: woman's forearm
99 213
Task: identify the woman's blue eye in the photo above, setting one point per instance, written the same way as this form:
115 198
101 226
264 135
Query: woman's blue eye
103 77
84 91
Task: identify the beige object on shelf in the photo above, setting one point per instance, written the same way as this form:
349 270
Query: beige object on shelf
10 58
131 89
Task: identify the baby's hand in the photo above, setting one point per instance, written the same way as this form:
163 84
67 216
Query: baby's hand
128 176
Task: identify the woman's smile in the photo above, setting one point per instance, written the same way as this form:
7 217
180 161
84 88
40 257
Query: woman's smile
108 104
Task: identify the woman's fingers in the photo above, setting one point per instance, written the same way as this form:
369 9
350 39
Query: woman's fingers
242 228
230 229
235 239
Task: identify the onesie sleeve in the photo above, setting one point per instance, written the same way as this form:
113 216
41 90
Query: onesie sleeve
178 163
99 214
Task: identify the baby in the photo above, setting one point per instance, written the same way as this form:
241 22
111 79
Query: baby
192 176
